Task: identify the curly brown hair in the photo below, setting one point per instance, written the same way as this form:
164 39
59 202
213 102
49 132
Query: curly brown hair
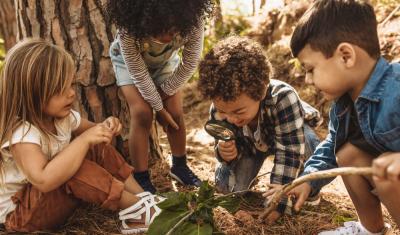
235 65
149 18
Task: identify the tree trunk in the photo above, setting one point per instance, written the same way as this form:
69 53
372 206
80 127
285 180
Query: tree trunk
8 25
83 29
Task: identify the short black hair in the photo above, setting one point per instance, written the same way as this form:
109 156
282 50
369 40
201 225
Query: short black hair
234 66
327 23
145 18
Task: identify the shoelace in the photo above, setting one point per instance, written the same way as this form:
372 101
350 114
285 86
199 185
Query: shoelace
190 173
191 176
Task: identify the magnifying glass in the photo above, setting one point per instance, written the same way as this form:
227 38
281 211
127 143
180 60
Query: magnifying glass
221 130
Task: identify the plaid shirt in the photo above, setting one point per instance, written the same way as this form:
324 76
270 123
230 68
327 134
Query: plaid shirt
280 132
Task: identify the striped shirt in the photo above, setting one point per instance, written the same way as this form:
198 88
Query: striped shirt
138 69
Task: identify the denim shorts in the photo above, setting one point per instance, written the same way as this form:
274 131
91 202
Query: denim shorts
122 76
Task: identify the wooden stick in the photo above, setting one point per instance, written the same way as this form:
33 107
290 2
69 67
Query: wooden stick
313 176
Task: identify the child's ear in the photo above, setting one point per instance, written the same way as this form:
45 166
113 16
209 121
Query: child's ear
264 92
347 54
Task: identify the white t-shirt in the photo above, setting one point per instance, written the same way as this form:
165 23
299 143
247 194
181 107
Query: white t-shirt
13 178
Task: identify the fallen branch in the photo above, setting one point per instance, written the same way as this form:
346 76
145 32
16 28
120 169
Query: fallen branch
276 198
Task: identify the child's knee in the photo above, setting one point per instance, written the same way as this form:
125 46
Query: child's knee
343 161
177 116
141 116
350 155
387 188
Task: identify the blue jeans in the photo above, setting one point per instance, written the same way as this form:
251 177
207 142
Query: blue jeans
238 176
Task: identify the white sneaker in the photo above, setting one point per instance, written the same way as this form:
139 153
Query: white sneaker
354 228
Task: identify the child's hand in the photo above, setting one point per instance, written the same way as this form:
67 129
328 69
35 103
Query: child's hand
387 167
273 217
163 95
272 188
100 133
166 120
114 124
301 194
227 150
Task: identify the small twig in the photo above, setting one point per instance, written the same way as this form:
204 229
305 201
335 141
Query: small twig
256 178
180 222
231 194
389 16
313 176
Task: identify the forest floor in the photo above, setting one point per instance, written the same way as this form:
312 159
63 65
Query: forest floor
334 209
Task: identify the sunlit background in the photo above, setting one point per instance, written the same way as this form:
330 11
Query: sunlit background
245 7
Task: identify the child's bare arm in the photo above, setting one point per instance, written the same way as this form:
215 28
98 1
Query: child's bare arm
48 175
83 126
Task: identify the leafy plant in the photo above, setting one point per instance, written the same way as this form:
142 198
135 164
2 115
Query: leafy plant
191 212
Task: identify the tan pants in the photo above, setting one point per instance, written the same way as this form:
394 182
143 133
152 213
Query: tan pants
99 180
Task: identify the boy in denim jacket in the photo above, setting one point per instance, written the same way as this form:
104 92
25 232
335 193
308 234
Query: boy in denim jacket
337 43
236 76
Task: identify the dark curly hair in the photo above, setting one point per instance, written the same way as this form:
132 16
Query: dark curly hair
145 18
235 65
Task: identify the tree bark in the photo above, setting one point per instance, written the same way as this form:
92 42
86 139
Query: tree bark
83 29
8 25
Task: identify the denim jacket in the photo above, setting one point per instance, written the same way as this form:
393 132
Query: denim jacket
378 109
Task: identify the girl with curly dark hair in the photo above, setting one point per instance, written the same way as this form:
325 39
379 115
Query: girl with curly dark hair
150 72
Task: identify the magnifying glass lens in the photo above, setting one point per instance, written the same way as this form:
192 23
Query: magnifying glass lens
219 131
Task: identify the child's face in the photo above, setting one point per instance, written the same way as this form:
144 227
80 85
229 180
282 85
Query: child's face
326 74
165 37
239 112
60 105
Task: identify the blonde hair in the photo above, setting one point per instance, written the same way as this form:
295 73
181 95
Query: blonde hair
34 70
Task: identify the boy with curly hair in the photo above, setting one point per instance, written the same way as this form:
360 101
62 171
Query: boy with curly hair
235 75
150 71
338 45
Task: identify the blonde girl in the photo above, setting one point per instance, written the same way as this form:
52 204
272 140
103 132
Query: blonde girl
45 174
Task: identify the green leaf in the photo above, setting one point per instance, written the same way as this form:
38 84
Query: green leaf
205 192
205 214
165 221
188 228
230 203
176 201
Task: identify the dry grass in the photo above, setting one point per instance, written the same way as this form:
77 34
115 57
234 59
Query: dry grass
334 209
